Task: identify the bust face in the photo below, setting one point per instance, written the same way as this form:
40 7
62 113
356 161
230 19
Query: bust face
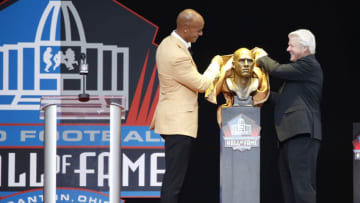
243 62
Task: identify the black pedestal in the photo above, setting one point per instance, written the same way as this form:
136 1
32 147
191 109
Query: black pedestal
240 155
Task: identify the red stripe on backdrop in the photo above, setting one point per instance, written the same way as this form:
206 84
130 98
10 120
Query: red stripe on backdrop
143 115
133 112
153 106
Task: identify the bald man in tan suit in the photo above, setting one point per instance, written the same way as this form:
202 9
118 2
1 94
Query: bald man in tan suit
176 116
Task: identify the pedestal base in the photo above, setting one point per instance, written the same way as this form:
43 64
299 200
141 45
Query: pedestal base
356 183
240 155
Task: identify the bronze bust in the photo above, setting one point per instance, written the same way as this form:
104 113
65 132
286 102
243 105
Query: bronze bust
247 85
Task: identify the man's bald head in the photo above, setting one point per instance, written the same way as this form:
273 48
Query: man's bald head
189 25
187 16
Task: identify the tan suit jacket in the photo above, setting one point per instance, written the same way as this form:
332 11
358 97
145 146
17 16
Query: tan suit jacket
180 82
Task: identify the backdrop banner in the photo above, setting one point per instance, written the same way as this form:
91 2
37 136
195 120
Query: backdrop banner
41 43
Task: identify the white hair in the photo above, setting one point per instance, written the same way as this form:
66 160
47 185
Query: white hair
306 38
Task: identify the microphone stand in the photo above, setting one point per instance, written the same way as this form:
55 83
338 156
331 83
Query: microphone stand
83 97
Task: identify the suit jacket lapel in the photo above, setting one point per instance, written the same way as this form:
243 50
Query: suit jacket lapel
181 45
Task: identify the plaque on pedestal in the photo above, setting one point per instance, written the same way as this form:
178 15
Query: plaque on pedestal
240 155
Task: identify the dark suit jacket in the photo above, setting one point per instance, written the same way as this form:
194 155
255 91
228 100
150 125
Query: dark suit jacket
297 104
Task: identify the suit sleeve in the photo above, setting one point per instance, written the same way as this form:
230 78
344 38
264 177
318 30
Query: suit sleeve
186 73
274 97
300 70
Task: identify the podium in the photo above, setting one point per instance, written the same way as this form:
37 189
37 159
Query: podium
55 108
240 155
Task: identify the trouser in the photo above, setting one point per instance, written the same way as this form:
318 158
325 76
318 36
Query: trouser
297 165
177 157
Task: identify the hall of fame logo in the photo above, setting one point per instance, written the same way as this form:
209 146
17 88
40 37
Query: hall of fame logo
49 65
241 133
41 43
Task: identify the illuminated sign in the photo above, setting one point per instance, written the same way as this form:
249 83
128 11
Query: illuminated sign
40 56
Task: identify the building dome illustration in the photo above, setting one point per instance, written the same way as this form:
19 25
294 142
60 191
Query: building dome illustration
50 64
50 23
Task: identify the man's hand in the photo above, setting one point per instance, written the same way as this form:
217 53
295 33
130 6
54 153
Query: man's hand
217 59
213 71
228 68
258 52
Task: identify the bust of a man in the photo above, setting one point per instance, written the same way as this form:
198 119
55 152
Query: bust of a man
247 85
242 83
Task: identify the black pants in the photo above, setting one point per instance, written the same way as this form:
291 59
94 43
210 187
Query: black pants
297 164
177 157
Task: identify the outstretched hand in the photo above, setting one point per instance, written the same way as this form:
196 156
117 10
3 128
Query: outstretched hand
217 59
258 52
228 68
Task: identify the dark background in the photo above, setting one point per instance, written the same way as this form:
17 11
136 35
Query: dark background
230 25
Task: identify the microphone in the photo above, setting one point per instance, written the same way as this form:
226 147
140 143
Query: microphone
83 65
83 97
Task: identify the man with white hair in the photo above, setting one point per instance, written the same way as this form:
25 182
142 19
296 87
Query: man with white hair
297 115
